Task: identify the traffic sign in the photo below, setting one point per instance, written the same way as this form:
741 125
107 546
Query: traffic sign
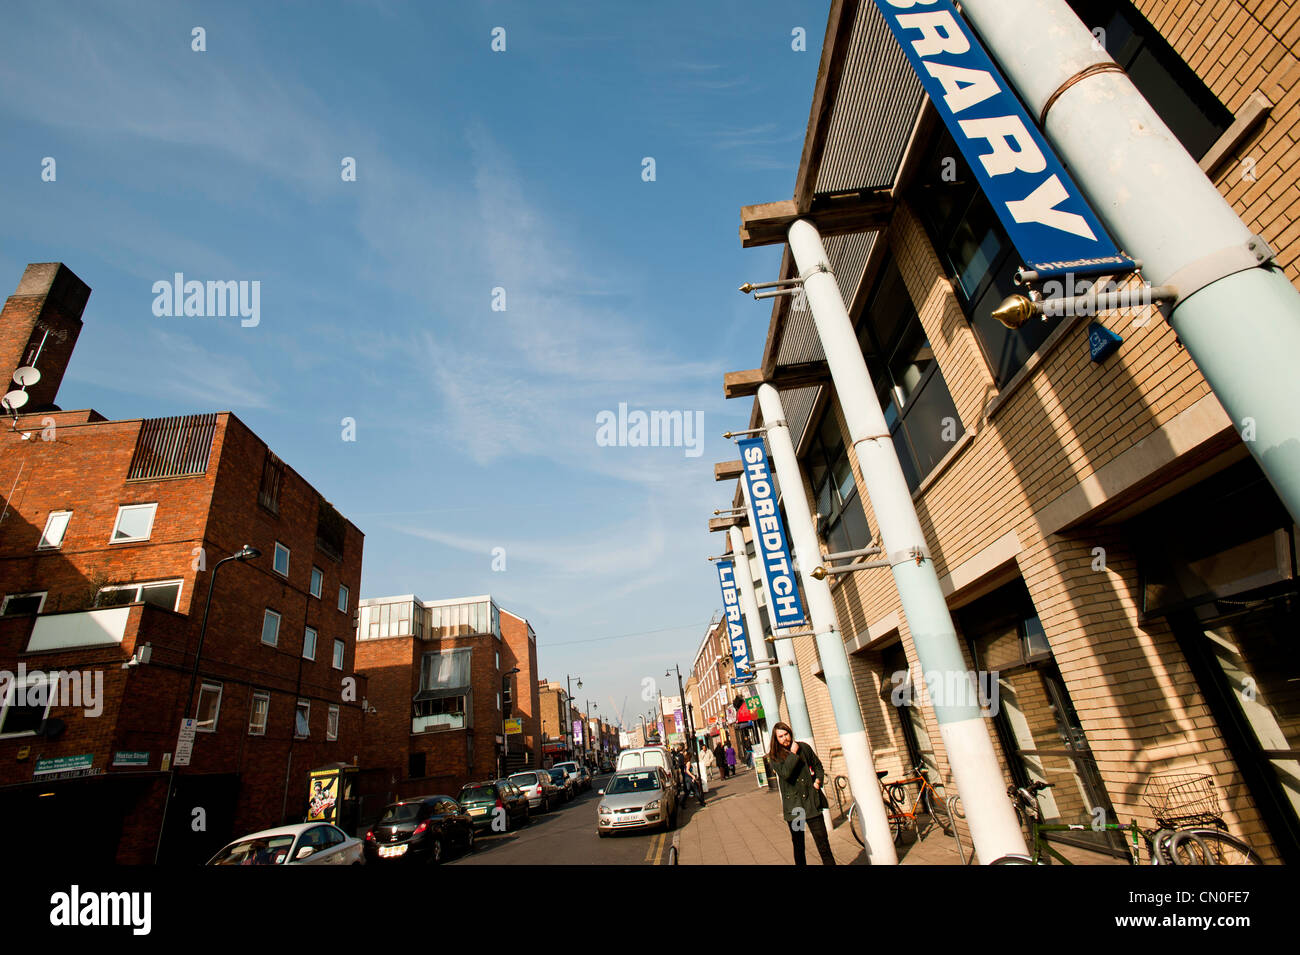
185 742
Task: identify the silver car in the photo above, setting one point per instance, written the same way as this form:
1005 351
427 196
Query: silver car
642 798
304 843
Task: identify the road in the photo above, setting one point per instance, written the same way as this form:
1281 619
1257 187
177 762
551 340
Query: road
567 836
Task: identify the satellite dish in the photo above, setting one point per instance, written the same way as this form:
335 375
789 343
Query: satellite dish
27 375
15 400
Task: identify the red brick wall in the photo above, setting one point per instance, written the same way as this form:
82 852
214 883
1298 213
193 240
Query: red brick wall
518 651
49 298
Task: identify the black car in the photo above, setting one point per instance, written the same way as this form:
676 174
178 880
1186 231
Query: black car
486 802
424 829
566 783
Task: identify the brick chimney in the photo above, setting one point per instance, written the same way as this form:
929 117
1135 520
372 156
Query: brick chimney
39 326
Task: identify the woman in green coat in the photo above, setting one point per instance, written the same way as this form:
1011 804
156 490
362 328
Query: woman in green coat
801 778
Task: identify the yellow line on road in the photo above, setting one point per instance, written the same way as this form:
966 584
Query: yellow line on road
656 848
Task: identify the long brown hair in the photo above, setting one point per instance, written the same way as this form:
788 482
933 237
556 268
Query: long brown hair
777 752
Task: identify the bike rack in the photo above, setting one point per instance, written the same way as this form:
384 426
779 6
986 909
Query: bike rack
954 806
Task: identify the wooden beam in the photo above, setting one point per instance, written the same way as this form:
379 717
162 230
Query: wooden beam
727 470
864 211
743 384
723 523
835 50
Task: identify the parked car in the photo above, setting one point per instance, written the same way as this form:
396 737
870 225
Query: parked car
581 779
482 800
606 766
423 829
566 783
643 798
539 787
305 843
649 756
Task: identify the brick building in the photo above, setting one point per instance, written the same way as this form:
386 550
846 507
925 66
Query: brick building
712 671
438 675
1105 543
558 715
110 535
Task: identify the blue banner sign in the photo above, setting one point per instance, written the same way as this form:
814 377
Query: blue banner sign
1044 212
784 607
735 624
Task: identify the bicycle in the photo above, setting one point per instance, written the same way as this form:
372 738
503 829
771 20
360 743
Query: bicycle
935 805
1166 845
853 815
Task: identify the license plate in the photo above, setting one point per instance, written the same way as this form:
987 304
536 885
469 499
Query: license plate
477 812
389 852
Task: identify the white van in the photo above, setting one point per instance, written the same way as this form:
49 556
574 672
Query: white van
648 756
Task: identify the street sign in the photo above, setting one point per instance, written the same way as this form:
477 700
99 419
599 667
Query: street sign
735 623
783 604
514 726
185 742
1044 212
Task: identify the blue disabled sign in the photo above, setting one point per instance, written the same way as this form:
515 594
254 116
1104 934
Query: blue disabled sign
1102 342
1043 210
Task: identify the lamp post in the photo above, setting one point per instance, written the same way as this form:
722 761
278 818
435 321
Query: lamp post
247 552
505 737
568 712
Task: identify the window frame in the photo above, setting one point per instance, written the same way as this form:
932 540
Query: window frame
4 605
298 708
332 722
10 694
259 695
117 523
139 588
40 544
317 583
340 654
278 619
275 560
315 636
345 596
205 685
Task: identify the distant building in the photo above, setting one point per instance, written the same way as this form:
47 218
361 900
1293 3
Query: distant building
110 534
440 683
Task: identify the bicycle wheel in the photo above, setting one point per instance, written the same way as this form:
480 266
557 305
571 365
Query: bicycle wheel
937 806
1210 847
855 824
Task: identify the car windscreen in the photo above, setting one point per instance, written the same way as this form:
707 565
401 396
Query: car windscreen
395 815
268 850
478 792
630 759
570 768
524 779
633 783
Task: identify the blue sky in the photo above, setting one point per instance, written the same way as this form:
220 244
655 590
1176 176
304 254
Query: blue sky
475 170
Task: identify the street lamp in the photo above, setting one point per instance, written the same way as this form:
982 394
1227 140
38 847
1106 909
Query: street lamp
247 552
568 712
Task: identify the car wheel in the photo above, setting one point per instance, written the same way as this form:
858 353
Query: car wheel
602 833
528 818
546 804
435 852
469 840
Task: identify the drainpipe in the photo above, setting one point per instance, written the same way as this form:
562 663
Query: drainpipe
965 734
791 682
757 643
1237 314
859 766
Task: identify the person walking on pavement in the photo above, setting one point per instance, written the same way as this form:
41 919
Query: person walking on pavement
801 778
731 760
720 755
707 761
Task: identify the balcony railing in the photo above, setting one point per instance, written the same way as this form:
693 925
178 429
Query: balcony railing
89 628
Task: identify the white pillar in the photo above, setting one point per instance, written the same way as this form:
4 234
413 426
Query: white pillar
1243 330
754 623
859 765
791 682
962 727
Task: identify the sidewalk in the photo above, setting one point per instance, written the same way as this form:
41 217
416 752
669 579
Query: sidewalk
741 824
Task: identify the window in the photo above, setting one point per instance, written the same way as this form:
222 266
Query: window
332 723
465 619
338 654
913 394
302 720
16 604
1175 92
257 718
25 704
160 593
268 493
836 494
134 523
271 628
446 712
388 620
309 644
343 598
172 447
280 564
209 707
56 525
317 577
444 691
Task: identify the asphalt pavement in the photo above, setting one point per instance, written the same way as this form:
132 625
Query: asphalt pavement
567 836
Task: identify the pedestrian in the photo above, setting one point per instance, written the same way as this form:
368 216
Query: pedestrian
801 778
731 760
720 755
692 782
707 761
